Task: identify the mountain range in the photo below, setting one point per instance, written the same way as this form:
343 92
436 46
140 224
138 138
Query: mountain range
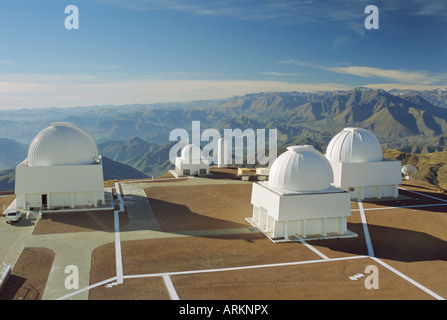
138 135
112 170
437 97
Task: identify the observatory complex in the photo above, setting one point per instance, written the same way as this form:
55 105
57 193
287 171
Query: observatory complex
191 162
192 238
63 170
357 161
298 200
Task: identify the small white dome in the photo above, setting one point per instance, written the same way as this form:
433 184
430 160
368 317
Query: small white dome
191 152
62 143
354 145
301 169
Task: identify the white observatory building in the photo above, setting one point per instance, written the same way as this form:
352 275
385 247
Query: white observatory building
298 201
62 171
357 161
191 162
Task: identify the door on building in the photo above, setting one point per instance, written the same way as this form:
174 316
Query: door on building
44 200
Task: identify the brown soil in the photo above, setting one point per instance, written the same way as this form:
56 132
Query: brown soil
29 275
180 208
5 201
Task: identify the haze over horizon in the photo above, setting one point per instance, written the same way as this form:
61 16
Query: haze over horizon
152 51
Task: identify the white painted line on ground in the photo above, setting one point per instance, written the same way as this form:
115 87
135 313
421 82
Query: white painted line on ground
412 206
118 194
117 188
87 288
422 194
400 274
118 255
119 261
365 229
314 249
161 179
170 287
282 264
173 173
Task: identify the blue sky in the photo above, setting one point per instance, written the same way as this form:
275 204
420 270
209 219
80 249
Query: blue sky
147 51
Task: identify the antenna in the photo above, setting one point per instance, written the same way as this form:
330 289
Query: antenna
409 170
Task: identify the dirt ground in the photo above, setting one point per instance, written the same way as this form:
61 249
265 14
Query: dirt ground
180 208
29 275
5 201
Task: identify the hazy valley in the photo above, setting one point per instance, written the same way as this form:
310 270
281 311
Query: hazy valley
134 139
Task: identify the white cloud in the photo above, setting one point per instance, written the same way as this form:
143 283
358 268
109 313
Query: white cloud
79 90
415 77
298 11
347 13
404 86
280 74
279 10
401 76
433 8
6 62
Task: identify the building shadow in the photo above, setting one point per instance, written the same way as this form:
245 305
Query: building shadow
12 287
424 200
390 243
23 222
173 217
78 221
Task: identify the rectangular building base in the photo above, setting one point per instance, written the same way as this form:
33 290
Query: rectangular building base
297 238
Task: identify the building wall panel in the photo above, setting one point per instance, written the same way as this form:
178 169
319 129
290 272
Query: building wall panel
387 172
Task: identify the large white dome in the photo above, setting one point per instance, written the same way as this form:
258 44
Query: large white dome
354 145
301 169
62 143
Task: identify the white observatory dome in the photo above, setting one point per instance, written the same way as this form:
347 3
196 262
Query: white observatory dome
62 143
191 152
301 169
354 145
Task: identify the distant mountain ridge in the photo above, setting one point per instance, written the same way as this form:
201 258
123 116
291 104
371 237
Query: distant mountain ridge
11 153
138 135
149 158
112 170
391 117
437 97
